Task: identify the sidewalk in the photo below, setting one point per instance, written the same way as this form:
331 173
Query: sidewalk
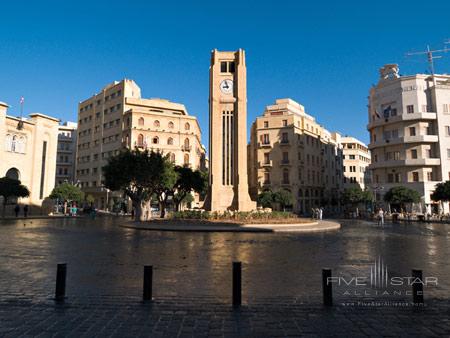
199 317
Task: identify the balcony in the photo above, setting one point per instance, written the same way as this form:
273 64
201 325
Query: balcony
284 143
285 162
405 139
186 148
265 164
264 145
416 162
403 117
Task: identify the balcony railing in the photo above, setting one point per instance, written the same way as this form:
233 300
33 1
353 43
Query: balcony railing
264 144
186 148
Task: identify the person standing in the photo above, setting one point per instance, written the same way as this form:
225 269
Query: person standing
25 210
320 213
17 210
381 217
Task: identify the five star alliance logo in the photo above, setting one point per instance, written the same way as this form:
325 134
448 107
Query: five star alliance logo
379 276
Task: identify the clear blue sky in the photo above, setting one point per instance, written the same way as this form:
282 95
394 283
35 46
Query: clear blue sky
323 54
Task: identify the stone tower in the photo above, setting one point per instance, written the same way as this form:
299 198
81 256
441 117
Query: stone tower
228 177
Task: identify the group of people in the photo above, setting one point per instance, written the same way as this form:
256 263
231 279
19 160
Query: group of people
317 213
17 210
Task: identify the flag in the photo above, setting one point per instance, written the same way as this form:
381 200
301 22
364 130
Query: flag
377 115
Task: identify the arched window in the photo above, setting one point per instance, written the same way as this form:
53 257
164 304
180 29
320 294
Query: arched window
141 121
172 157
285 176
187 126
170 141
21 145
155 140
186 144
300 193
8 140
156 123
14 144
140 140
186 159
170 125
13 173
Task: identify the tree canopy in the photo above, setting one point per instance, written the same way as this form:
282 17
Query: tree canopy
401 195
355 195
10 188
188 180
67 192
265 199
284 198
442 192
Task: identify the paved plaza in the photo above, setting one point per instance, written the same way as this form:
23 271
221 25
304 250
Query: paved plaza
192 281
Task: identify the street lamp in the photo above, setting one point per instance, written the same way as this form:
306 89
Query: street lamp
107 197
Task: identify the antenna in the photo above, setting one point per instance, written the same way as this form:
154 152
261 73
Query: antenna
430 55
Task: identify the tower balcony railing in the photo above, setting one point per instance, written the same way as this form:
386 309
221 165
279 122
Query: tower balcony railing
264 144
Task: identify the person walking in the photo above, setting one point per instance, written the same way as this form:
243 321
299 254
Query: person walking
25 210
17 210
320 213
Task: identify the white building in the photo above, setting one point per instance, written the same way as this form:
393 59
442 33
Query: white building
356 158
409 125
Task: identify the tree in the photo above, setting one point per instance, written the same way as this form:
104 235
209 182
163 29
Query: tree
442 192
352 196
67 192
401 195
188 180
284 198
265 199
10 188
137 173
166 184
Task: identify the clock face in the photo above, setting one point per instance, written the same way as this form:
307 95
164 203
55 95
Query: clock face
226 86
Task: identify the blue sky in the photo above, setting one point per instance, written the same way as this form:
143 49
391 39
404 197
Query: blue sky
323 54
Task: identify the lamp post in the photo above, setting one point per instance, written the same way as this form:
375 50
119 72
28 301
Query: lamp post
107 197
377 188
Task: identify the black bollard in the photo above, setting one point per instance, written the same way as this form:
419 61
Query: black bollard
417 287
148 282
327 287
60 291
237 284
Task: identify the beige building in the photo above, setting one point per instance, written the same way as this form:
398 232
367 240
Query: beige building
65 157
228 181
289 150
356 157
409 126
28 152
118 118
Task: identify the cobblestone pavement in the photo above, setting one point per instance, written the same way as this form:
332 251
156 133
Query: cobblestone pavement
192 282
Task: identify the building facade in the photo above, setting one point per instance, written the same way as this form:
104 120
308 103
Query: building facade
28 152
228 175
289 150
409 126
66 153
118 118
356 158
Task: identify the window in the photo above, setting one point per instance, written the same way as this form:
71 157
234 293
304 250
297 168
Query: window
187 126
412 131
284 138
285 157
415 176
285 176
396 155
447 130
284 123
223 67
140 140
170 125
141 121
156 124
429 176
267 178
172 157
186 144
170 141
155 140
414 153
266 158
266 124
445 108
410 109
231 67
448 154
351 157
265 139
186 159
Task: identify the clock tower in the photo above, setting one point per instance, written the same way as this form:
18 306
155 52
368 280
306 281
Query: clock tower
228 177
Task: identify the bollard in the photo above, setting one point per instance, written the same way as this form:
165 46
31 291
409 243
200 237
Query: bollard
60 291
417 287
327 287
237 284
148 281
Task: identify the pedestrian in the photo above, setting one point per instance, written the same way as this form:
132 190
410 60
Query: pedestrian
25 210
17 210
381 217
320 213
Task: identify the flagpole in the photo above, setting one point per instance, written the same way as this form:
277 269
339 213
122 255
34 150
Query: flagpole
20 124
